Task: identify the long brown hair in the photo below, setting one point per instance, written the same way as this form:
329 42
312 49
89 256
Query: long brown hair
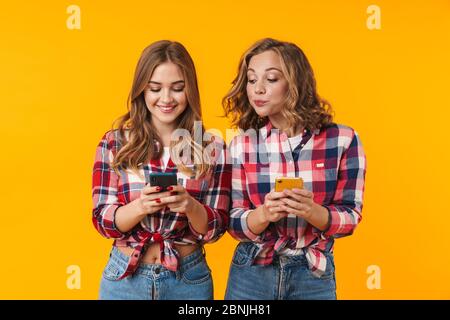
142 142
303 105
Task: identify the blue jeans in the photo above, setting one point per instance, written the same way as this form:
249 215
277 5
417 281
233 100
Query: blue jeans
155 282
287 278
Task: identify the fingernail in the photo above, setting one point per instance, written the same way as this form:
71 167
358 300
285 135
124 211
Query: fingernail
158 200
158 188
169 188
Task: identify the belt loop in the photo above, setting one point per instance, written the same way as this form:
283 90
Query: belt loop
178 274
253 250
204 251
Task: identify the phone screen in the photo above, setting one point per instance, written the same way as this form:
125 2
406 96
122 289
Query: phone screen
163 179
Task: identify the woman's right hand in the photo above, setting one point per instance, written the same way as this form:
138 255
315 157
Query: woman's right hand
149 200
272 211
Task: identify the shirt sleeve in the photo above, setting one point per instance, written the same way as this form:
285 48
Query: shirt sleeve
344 212
217 197
104 190
240 199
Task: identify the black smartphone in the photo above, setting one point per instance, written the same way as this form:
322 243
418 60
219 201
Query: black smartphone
163 179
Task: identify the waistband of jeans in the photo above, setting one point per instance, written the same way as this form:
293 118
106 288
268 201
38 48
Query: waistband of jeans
184 263
192 259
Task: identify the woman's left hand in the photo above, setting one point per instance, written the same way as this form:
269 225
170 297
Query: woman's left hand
181 201
299 202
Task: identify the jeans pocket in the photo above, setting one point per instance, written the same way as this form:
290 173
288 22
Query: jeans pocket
113 270
329 271
196 274
328 275
242 254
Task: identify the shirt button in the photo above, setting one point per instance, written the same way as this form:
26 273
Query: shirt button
157 271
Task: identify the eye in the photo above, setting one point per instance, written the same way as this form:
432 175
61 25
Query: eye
272 80
178 89
154 89
252 81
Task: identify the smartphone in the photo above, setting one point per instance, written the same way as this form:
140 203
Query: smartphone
282 183
163 179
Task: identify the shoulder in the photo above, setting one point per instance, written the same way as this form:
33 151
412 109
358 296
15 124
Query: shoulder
336 129
216 147
237 145
242 138
341 134
112 139
216 140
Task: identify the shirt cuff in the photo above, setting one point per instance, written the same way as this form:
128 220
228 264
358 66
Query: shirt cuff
257 238
324 235
213 232
109 222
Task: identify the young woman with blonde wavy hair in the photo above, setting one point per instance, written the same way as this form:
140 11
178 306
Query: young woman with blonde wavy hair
159 234
287 237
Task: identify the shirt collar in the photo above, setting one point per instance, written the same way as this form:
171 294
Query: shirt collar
266 130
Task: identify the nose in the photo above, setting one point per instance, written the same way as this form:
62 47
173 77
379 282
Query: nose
259 87
166 97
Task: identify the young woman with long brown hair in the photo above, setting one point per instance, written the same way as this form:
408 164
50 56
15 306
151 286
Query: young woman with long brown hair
159 234
287 237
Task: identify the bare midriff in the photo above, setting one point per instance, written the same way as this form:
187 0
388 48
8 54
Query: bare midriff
153 253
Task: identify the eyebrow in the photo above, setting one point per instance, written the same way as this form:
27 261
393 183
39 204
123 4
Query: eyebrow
268 69
159 83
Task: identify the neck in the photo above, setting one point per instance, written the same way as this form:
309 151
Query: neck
281 123
164 131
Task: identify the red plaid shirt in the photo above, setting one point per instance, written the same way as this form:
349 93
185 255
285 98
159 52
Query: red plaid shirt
110 191
331 162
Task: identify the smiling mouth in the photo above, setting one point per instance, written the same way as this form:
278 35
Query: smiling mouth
167 109
260 103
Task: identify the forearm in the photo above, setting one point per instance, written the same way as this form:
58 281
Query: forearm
319 217
256 221
198 217
128 216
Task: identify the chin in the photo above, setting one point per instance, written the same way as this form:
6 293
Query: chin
262 113
168 119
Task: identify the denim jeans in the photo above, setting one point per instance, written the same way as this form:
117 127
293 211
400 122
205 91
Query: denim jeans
155 282
287 278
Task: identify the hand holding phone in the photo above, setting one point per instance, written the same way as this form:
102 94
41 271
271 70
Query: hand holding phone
179 199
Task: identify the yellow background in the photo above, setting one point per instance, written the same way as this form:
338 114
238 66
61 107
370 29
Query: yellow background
61 89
